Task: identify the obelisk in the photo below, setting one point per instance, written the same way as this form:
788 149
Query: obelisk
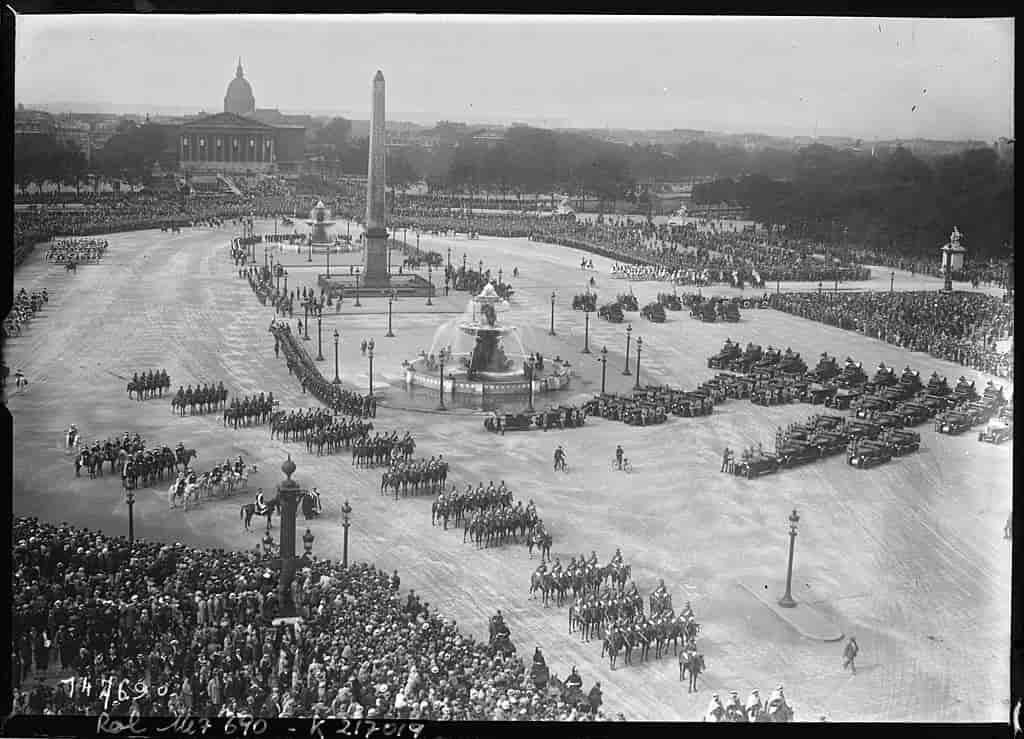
375 254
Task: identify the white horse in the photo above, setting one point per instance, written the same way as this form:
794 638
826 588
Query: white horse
71 437
20 381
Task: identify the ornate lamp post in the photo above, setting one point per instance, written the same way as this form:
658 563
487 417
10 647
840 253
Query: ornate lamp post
430 281
449 258
787 600
604 366
288 492
357 304
819 287
392 297
307 544
639 346
417 242
129 498
441 356
531 364
463 260
629 334
499 275
277 275
319 334
586 330
551 332
369 353
337 379
481 266
346 513
892 282
327 253
310 258
305 323
266 252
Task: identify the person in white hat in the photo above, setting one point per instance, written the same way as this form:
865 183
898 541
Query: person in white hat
754 705
716 711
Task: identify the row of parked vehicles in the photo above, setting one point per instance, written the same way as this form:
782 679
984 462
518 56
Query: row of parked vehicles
556 417
654 403
866 444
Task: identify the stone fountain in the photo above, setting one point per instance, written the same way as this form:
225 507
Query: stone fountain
319 222
484 355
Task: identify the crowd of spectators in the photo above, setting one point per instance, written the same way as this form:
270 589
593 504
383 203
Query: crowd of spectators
961 327
168 630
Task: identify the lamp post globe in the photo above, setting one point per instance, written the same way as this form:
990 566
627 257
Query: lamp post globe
604 366
346 513
639 346
551 331
629 335
787 600
337 379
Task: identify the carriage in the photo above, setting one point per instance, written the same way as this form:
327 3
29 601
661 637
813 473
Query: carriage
764 464
914 413
704 311
953 423
826 370
628 302
508 422
671 301
729 311
996 431
794 453
869 454
818 394
585 301
611 312
901 442
654 312
730 352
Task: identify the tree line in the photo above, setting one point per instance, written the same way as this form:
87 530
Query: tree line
896 201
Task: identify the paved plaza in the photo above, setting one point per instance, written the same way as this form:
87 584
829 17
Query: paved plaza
909 557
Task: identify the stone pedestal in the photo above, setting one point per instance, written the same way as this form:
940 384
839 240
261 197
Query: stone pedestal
375 259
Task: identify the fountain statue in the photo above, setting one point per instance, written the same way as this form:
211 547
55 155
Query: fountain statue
484 353
319 221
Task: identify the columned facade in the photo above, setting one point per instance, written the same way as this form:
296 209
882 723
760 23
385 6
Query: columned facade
227 143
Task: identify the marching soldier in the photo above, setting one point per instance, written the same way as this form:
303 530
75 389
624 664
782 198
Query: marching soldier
716 711
754 706
734 710
850 654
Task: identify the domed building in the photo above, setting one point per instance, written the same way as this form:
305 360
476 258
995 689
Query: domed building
239 98
236 141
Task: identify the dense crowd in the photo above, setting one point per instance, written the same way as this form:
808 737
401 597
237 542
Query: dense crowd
23 308
957 326
62 251
171 630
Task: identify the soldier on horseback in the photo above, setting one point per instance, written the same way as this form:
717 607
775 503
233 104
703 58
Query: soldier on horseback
556 569
716 711
261 506
617 558
754 706
317 507
734 709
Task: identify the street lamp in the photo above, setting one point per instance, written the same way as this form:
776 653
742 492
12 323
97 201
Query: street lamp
892 282
305 323
531 364
499 275
266 252
449 258
392 297
130 500
441 356
604 366
551 332
463 260
586 329
629 334
639 346
319 335
327 252
346 512
357 304
310 258
481 266
430 281
307 543
787 600
337 379
369 353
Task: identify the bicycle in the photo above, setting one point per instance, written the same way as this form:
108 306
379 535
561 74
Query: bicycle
627 466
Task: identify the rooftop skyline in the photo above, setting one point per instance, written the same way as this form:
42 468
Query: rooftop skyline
865 78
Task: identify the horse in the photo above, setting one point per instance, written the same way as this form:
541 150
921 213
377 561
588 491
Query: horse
693 663
619 576
248 510
308 508
779 713
71 437
184 456
20 381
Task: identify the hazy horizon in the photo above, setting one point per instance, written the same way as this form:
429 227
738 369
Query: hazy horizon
943 79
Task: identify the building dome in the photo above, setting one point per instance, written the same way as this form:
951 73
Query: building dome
239 98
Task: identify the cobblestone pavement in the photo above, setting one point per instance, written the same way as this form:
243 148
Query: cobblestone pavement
908 557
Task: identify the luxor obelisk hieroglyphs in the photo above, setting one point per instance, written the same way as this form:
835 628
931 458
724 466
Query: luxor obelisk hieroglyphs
375 256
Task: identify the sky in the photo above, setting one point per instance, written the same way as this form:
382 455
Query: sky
866 78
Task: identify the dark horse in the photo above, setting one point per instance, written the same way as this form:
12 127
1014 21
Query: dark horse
248 510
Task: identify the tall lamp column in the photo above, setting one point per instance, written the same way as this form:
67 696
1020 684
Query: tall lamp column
130 500
392 295
787 600
629 334
604 366
639 346
369 353
441 355
551 332
346 514
586 330
319 335
337 379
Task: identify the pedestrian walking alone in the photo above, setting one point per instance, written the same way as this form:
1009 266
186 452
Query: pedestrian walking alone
850 654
